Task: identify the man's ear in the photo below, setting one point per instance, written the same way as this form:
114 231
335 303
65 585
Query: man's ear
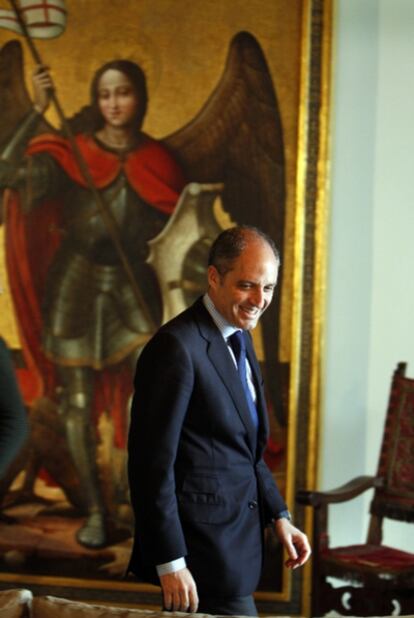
213 277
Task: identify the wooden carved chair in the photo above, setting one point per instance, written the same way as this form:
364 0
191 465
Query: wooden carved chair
383 577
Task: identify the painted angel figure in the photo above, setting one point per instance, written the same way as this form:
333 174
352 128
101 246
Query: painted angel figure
85 296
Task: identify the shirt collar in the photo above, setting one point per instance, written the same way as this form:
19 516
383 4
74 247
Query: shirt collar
226 329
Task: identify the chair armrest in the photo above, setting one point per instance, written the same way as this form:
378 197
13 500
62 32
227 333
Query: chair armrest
340 494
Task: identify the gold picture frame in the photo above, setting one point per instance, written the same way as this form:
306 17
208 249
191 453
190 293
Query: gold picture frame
183 54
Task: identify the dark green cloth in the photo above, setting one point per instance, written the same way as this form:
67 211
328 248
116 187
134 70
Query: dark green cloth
13 421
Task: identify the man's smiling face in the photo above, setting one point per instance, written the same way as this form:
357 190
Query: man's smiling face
243 293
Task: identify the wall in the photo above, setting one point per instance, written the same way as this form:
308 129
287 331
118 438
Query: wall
370 295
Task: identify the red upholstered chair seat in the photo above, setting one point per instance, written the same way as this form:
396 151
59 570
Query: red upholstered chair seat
371 557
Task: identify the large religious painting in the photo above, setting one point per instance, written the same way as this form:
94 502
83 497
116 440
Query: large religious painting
105 236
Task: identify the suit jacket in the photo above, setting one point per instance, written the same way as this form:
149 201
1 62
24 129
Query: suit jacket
199 486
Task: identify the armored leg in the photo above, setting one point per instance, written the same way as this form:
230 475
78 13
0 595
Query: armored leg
81 438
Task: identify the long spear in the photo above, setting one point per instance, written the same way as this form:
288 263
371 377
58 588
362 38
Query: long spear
105 212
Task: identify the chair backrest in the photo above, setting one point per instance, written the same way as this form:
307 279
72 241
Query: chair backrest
395 498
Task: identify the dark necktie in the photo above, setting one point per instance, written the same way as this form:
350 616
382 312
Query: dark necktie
238 345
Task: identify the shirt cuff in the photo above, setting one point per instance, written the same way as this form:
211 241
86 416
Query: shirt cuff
171 567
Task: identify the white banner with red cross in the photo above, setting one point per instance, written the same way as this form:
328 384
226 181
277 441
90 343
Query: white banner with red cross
44 19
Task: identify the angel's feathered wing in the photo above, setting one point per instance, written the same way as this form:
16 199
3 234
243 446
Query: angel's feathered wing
237 139
15 102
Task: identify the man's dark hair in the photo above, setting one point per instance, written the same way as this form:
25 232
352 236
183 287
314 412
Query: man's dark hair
229 245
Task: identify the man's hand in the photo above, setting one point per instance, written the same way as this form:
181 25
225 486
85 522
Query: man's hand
295 542
179 591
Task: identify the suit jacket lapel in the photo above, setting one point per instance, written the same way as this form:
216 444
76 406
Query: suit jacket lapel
219 356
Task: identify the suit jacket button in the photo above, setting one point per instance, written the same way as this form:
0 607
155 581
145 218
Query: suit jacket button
252 504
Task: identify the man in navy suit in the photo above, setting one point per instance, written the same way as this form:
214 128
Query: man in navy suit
201 492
